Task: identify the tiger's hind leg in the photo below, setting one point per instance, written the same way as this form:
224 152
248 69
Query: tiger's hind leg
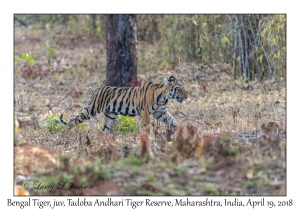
146 120
83 116
110 119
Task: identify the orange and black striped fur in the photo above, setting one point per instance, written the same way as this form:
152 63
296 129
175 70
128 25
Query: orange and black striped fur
151 98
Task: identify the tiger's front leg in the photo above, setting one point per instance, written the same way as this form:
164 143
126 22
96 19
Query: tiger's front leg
166 117
110 119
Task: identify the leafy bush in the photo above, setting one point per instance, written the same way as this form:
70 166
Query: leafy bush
52 124
26 57
125 124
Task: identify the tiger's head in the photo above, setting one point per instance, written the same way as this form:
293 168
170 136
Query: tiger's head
177 91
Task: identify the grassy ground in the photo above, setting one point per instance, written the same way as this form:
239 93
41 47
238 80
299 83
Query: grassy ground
238 146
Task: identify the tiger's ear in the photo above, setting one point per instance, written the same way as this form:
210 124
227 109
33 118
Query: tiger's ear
169 81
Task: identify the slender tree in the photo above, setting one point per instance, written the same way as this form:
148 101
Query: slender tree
121 50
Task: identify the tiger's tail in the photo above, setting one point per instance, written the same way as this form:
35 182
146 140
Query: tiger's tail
61 120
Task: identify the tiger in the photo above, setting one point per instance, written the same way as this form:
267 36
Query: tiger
148 99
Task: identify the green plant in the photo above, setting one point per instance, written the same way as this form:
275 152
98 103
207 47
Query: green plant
46 49
125 124
211 189
179 170
89 165
151 178
208 166
253 182
145 192
135 169
101 174
81 127
132 161
26 58
82 180
168 181
67 177
52 124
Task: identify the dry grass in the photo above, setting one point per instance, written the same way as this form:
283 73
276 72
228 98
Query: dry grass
217 106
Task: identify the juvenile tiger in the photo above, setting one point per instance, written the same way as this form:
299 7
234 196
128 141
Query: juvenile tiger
151 98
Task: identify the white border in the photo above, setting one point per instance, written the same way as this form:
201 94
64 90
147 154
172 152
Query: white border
154 6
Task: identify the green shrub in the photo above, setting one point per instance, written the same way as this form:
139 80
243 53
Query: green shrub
26 58
52 124
125 124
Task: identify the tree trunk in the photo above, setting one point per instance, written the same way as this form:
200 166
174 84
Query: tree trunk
121 50
93 29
